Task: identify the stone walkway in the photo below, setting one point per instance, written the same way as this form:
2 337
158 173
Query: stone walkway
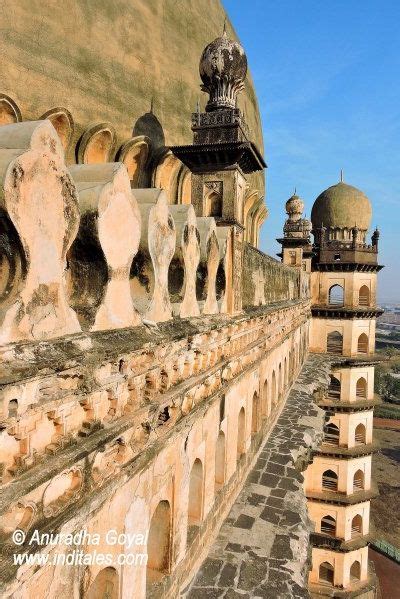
262 549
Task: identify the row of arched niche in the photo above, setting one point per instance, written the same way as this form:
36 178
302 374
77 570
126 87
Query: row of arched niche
147 165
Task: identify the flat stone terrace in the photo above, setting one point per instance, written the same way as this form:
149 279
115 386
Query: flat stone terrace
262 549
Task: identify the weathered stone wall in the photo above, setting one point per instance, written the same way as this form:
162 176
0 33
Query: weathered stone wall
109 424
266 280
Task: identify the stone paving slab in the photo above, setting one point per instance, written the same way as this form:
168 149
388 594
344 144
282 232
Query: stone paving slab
262 549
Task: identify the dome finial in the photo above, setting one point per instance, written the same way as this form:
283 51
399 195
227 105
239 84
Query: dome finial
223 69
295 189
341 175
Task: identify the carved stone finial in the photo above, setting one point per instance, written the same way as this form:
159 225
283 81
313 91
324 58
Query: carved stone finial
223 68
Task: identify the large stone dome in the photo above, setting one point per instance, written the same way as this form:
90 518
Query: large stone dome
341 206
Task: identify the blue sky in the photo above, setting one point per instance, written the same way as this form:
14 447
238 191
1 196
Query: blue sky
327 76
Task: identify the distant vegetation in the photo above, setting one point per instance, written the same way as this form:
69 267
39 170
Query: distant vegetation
387 385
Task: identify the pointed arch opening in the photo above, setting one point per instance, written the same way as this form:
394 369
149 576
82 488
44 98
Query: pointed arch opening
336 295
328 526
159 543
360 434
326 573
364 296
362 344
358 481
356 526
195 506
331 434
355 571
334 389
361 388
329 480
334 343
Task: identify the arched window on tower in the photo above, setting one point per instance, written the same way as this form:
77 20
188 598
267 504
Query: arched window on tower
334 389
334 343
328 526
355 571
361 388
364 296
326 573
360 434
358 481
331 434
330 480
356 526
336 295
362 345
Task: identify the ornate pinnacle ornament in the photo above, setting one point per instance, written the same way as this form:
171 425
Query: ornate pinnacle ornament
223 68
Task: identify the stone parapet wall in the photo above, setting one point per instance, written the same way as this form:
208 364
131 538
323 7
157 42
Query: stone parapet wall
266 280
99 414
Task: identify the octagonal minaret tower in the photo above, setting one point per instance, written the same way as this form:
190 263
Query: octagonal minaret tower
338 483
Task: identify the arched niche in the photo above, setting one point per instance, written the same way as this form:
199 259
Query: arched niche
220 461
329 480
361 388
105 585
358 481
356 526
166 175
241 435
184 186
331 434
334 343
328 526
255 423
355 571
195 505
9 111
159 543
364 296
96 144
360 434
326 573
362 344
62 121
134 153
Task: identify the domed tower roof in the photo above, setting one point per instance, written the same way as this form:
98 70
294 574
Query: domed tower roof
294 207
341 206
223 68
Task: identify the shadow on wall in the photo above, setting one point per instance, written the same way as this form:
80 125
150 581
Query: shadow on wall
149 125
